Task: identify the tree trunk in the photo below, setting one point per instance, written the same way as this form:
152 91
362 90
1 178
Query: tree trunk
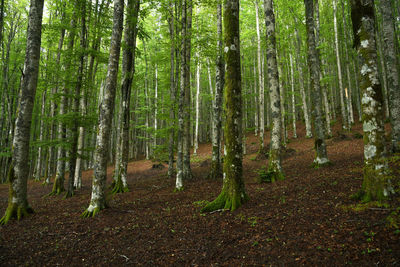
233 193
196 132
128 70
260 81
293 97
172 90
58 186
18 202
216 164
98 200
376 184
39 161
302 90
392 65
345 123
274 172
313 61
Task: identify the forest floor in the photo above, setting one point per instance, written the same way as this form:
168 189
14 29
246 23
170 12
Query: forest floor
307 219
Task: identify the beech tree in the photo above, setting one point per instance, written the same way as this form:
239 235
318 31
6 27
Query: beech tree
18 205
376 184
216 164
392 66
314 66
98 200
128 70
233 193
274 172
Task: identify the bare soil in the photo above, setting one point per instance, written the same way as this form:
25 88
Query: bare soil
306 219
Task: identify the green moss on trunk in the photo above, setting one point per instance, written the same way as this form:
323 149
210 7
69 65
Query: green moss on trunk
14 210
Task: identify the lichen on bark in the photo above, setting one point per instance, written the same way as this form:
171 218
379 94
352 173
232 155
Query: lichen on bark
376 183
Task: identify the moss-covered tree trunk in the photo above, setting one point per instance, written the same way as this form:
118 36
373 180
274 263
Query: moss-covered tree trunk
216 164
314 66
376 185
128 69
274 172
391 51
18 205
98 200
233 193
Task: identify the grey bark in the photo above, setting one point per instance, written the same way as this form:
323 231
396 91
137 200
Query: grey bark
274 162
390 48
18 202
313 61
98 200
216 164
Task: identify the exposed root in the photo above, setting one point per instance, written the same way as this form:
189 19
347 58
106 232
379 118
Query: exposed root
225 202
90 214
69 193
119 188
15 211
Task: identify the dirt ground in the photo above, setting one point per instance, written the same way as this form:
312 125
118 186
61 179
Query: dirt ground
307 219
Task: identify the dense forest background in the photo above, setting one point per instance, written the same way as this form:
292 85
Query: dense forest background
167 84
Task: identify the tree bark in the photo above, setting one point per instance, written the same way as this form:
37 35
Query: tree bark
216 164
345 122
260 81
376 184
274 172
18 202
233 193
390 48
313 61
98 201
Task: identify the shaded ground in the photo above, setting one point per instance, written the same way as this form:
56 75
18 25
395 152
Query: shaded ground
304 220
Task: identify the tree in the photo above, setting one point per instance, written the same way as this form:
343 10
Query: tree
98 201
376 185
233 193
216 168
18 205
314 66
274 172
128 70
392 66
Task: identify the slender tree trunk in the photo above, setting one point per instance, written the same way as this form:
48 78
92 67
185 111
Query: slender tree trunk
76 102
18 202
58 186
256 104
274 172
172 95
39 161
345 123
293 97
233 193
216 164
155 108
391 51
313 61
302 90
98 200
128 70
187 172
349 91
196 132
260 80
376 184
